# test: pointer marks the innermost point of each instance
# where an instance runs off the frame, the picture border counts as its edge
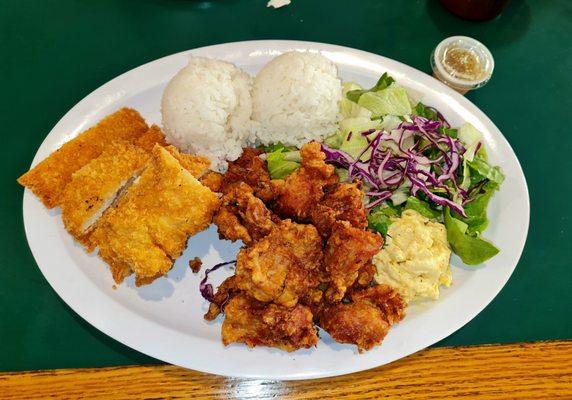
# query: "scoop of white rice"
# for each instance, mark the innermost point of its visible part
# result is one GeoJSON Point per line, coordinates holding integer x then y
{"type": "Point", "coordinates": [295, 99]}
{"type": "Point", "coordinates": [206, 110]}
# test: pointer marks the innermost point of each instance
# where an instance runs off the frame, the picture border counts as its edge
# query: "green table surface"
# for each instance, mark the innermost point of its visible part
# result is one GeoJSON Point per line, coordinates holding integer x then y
{"type": "Point", "coordinates": [53, 53]}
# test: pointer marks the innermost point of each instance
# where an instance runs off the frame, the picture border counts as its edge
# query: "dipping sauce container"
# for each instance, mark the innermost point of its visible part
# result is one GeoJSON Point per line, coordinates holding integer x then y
{"type": "Point", "coordinates": [462, 63]}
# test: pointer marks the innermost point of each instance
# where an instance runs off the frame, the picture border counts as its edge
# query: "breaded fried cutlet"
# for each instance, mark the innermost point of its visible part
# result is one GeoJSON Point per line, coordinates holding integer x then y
{"type": "Point", "coordinates": [196, 165]}
{"type": "Point", "coordinates": [148, 227]}
{"type": "Point", "coordinates": [49, 178]}
{"type": "Point", "coordinates": [94, 187]}
{"type": "Point", "coordinates": [150, 138]}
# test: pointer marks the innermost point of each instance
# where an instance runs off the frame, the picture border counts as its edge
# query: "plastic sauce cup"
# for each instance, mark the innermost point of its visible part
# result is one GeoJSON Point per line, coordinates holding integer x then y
{"type": "Point", "coordinates": [462, 63]}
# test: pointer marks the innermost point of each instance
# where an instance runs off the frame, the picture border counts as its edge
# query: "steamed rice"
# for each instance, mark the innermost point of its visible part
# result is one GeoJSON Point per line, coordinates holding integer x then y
{"type": "Point", "coordinates": [206, 110]}
{"type": "Point", "coordinates": [295, 99]}
{"type": "Point", "coordinates": [212, 108]}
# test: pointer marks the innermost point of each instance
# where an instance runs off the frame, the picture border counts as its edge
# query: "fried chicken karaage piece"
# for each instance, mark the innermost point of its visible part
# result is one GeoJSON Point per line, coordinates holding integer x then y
{"type": "Point", "coordinates": [261, 324]}
{"type": "Point", "coordinates": [212, 180]}
{"type": "Point", "coordinates": [243, 216]}
{"type": "Point", "coordinates": [302, 190]}
{"type": "Point", "coordinates": [359, 323]}
{"type": "Point", "coordinates": [384, 297]}
{"type": "Point", "coordinates": [49, 178]}
{"type": "Point", "coordinates": [366, 320]}
{"type": "Point", "coordinates": [226, 291]}
{"type": "Point", "coordinates": [252, 170]}
{"type": "Point", "coordinates": [280, 266]}
{"type": "Point", "coordinates": [342, 202]}
{"type": "Point", "coordinates": [348, 250]}
{"type": "Point", "coordinates": [365, 275]}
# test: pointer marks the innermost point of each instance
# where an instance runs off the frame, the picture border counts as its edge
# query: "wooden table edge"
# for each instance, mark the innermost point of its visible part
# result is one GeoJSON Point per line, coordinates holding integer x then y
{"type": "Point", "coordinates": [537, 370]}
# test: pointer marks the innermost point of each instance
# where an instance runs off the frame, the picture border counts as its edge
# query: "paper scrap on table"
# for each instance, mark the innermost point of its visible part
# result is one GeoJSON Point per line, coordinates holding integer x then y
{"type": "Point", "coordinates": [278, 3]}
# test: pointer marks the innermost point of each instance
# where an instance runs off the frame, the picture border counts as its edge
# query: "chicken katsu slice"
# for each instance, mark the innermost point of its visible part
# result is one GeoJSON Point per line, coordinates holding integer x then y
{"type": "Point", "coordinates": [280, 267]}
{"type": "Point", "coordinates": [48, 179]}
{"type": "Point", "coordinates": [196, 165]}
{"type": "Point", "coordinates": [297, 195]}
{"type": "Point", "coordinates": [342, 202]}
{"type": "Point", "coordinates": [243, 216]}
{"type": "Point", "coordinates": [154, 135]}
{"type": "Point", "coordinates": [252, 170]}
{"type": "Point", "coordinates": [347, 251]}
{"type": "Point", "coordinates": [148, 227]}
{"type": "Point", "coordinates": [366, 320]}
{"type": "Point", "coordinates": [95, 186]}
{"type": "Point", "coordinates": [261, 324]}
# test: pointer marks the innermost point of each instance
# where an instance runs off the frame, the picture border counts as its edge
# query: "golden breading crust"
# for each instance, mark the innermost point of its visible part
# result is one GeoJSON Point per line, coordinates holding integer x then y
{"type": "Point", "coordinates": [94, 186]}
{"type": "Point", "coordinates": [149, 139]}
{"type": "Point", "coordinates": [148, 227]}
{"type": "Point", "coordinates": [196, 165]}
{"type": "Point", "coordinates": [266, 324]}
{"type": "Point", "coordinates": [48, 179]}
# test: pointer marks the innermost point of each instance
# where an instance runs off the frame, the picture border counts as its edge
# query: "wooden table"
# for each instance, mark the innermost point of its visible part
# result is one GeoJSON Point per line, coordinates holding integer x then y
{"type": "Point", "coordinates": [540, 370]}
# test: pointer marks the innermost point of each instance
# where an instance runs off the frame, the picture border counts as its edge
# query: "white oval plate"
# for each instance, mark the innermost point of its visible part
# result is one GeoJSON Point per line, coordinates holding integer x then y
{"type": "Point", "coordinates": [164, 320]}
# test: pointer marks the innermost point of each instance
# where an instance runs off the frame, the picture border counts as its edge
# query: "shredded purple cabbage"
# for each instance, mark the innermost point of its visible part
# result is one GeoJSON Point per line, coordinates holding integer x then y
{"type": "Point", "coordinates": [206, 289]}
{"type": "Point", "coordinates": [387, 169]}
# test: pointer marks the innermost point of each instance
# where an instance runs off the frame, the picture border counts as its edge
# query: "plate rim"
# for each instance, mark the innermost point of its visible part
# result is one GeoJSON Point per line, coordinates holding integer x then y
{"type": "Point", "coordinates": [267, 44]}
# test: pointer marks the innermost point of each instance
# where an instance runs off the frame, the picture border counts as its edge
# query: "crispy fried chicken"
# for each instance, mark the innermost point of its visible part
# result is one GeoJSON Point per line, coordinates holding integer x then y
{"type": "Point", "coordinates": [226, 291]}
{"type": "Point", "coordinates": [348, 250]}
{"type": "Point", "coordinates": [279, 267]}
{"type": "Point", "coordinates": [342, 202]}
{"type": "Point", "coordinates": [302, 190]}
{"type": "Point", "coordinates": [262, 324]}
{"type": "Point", "coordinates": [366, 320]}
{"type": "Point", "coordinates": [250, 169]}
{"type": "Point", "coordinates": [242, 216]}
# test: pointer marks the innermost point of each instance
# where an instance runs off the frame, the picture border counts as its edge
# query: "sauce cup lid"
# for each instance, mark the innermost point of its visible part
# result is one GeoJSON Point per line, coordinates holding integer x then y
{"type": "Point", "coordinates": [462, 62]}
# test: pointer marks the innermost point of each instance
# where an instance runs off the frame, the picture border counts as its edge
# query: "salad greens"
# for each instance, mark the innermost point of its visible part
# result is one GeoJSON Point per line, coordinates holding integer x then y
{"type": "Point", "coordinates": [472, 249]}
{"type": "Point", "coordinates": [379, 218]}
{"type": "Point", "coordinates": [382, 83]}
{"type": "Point", "coordinates": [282, 160]}
{"type": "Point", "coordinates": [409, 157]}
{"type": "Point", "coordinates": [415, 160]}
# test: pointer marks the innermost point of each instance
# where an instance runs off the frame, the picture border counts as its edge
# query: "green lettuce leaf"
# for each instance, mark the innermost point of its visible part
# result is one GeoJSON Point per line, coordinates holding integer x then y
{"type": "Point", "coordinates": [383, 82]}
{"type": "Point", "coordinates": [422, 111]}
{"type": "Point", "coordinates": [471, 138]}
{"type": "Point", "coordinates": [350, 108]}
{"type": "Point", "coordinates": [357, 142]}
{"type": "Point", "coordinates": [483, 168]}
{"type": "Point", "coordinates": [379, 219]}
{"type": "Point", "coordinates": [335, 141]}
{"type": "Point", "coordinates": [477, 220]}
{"type": "Point", "coordinates": [355, 145]}
{"type": "Point", "coordinates": [282, 161]}
{"type": "Point", "coordinates": [422, 207]}
{"type": "Point", "coordinates": [278, 146]}
{"type": "Point", "coordinates": [473, 250]}
{"type": "Point", "coordinates": [390, 101]}
{"type": "Point", "coordinates": [454, 133]}
{"type": "Point", "coordinates": [342, 174]}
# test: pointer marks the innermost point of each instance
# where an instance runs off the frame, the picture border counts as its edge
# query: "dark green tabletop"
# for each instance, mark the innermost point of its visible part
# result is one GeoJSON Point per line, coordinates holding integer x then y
{"type": "Point", "coordinates": [53, 53]}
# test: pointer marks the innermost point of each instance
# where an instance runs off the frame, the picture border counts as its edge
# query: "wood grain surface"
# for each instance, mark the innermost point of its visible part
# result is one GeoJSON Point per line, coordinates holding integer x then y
{"type": "Point", "coordinates": [541, 370]}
